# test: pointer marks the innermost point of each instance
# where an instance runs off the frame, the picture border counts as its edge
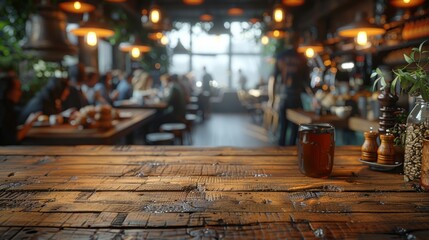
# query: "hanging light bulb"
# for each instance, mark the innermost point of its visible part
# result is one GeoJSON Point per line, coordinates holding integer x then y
{"type": "Point", "coordinates": [278, 13]}
{"type": "Point", "coordinates": [309, 53]}
{"type": "Point", "coordinates": [155, 15]}
{"type": "Point", "coordinates": [164, 40]}
{"type": "Point", "coordinates": [76, 6]}
{"type": "Point", "coordinates": [265, 40]}
{"type": "Point", "coordinates": [91, 39]}
{"type": "Point", "coordinates": [406, 3]}
{"type": "Point", "coordinates": [135, 52]}
{"type": "Point", "coordinates": [362, 38]}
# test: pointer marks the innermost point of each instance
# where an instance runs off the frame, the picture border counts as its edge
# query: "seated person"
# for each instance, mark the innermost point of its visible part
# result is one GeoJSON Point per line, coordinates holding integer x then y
{"type": "Point", "coordinates": [76, 98]}
{"type": "Point", "coordinates": [104, 88]}
{"type": "Point", "coordinates": [48, 100]}
{"type": "Point", "coordinates": [124, 88]}
{"type": "Point", "coordinates": [10, 95]}
{"type": "Point", "coordinates": [175, 99]}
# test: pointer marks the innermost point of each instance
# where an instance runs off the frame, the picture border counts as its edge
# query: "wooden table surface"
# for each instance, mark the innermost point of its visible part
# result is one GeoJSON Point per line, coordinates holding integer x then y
{"type": "Point", "coordinates": [71, 135]}
{"type": "Point", "coordinates": [134, 104]}
{"type": "Point", "coordinates": [128, 192]}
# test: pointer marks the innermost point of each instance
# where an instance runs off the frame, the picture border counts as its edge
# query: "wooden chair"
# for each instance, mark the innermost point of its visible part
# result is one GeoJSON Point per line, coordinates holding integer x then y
{"type": "Point", "coordinates": [271, 116]}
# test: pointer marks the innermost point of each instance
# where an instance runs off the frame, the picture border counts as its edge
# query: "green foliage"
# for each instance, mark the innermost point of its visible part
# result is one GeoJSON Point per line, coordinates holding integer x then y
{"type": "Point", "coordinates": [413, 77]}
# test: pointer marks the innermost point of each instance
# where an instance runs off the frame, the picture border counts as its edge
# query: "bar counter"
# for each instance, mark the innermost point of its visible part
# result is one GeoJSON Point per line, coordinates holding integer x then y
{"type": "Point", "coordinates": [176, 192]}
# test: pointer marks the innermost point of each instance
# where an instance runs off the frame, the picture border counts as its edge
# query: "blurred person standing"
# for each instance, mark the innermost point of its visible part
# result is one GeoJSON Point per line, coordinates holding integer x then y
{"type": "Point", "coordinates": [76, 98]}
{"type": "Point", "coordinates": [242, 80]}
{"type": "Point", "coordinates": [292, 78]}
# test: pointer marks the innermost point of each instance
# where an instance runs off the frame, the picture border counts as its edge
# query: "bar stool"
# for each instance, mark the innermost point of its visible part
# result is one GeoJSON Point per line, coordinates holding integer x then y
{"type": "Point", "coordinates": [160, 138]}
{"type": "Point", "coordinates": [177, 129]}
{"type": "Point", "coordinates": [190, 120]}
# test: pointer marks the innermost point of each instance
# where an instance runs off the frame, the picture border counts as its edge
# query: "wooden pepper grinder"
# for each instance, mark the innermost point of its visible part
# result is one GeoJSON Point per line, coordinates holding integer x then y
{"type": "Point", "coordinates": [386, 151]}
{"type": "Point", "coordinates": [369, 147]}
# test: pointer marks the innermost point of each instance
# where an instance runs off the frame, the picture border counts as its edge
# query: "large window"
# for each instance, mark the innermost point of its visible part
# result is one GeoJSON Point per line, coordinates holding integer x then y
{"type": "Point", "coordinates": [223, 55]}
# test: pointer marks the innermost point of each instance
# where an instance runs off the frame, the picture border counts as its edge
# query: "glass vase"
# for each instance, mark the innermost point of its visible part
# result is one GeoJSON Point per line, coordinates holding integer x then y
{"type": "Point", "coordinates": [417, 130]}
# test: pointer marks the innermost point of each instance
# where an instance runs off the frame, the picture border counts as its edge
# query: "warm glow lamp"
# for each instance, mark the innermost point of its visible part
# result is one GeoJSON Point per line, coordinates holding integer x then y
{"type": "Point", "coordinates": [360, 26]}
{"type": "Point", "coordinates": [92, 30]}
{"type": "Point", "coordinates": [235, 11]}
{"type": "Point", "coordinates": [206, 17]}
{"type": "Point", "coordinates": [406, 3]}
{"type": "Point", "coordinates": [265, 40]}
{"type": "Point", "coordinates": [293, 3]}
{"type": "Point", "coordinates": [193, 2]}
{"type": "Point", "coordinates": [278, 13]}
{"type": "Point", "coordinates": [134, 47]}
{"type": "Point", "coordinates": [277, 34]}
{"type": "Point", "coordinates": [155, 15]}
{"type": "Point", "coordinates": [76, 6]}
{"type": "Point", "coordinates": [164, 40]}
{"type": "Point", "coordinates": [310, 50]}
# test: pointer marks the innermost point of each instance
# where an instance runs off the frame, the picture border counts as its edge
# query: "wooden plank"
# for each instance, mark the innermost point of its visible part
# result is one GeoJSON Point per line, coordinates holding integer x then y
{"type": "Point", "coordinates": [135, 150]}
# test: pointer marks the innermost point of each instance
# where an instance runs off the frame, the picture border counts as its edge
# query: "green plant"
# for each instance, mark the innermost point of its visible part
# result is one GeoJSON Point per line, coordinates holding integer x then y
{"type": "Point", "coordinates": [413, 77]}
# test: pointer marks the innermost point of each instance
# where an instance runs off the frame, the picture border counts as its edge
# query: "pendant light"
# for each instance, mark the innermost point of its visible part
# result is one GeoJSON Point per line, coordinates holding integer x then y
{"type": "Point", "coordinates": [46, 36]}
{"type": "Point", "coordinates": [310, 50]}
{"type": "Point", "coordinates": [276, 33]}
{"type": "Point", "coordinates": [278, 13]}
{"type": "Point", "coordinates": [235, 11]}
{"type": "Point", "coordinates": [76, 6]}
{"type": "Point", "coordinates": [135, 47]}
{"type": "Point", "coordinates": [293, 3]}
{"type": "Point", "coordinates": [155, 15]}
{"type": "Point", "coordinates": [193, 2]}
{"type": "Point", "coordinates": [93, 28]}
{"type": "Point", "coordinates": [406, 3]}
{"type": "Point", "coordinates": [206, 17]}
{"type": "Point", "coordinates": [360, 29]}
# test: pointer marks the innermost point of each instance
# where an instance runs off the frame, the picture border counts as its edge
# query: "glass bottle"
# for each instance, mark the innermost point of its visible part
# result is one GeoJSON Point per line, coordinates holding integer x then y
{"type": "Point", "coordinates": [417, 130]}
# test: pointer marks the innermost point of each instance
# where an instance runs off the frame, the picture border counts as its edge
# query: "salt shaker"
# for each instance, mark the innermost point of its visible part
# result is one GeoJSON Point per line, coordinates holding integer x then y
{"type": "Point", "coordinates": [369, 147]}
{"type": "Point", "coordinates": [386, 151]}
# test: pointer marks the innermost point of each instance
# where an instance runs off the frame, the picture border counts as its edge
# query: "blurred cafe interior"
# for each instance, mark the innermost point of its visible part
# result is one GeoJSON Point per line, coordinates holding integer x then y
{"type": "Point", "coordinates": [240, 73]}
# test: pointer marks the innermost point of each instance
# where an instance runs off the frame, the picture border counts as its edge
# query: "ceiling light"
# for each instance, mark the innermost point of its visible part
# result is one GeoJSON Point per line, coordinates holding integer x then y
{"type": "Point", "coordinates": [265, 40]}
{"type": "Point", "coordinates": [135, 47]}
{"type": "Point", "coordinates": [310, 50]}
{"type": "Point", "coordinates": [76, 6]}
{"type": "Point", "coordinates": [406, 3]}
{"type": "Point", "coordinates": [360, 24]}
{"type": "Point", "coordinates": [235, 11]}
{"type": "Point", "coordinates": [278, 13]}
{"type": "Point", "coordinates": [93, 28]}
{"type": "Point", "coordinates": [193, 2]}
{"type": "Point", "coordinates": [277, 34]}
{"type": "Point", "coordinates": [206, 17]}
{"type": "Point", "coordinates": [164, 40]}
{"type": "Point", "coordinates": [155, 15]}
{"type": "Point", "coordinates": [293, 3]}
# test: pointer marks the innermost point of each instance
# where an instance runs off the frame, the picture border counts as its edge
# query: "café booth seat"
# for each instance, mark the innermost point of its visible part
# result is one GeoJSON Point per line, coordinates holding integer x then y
{"type": "Point", "coordinates": [160, 138]}
{"type": "Point", "coordinates": [178, 129]}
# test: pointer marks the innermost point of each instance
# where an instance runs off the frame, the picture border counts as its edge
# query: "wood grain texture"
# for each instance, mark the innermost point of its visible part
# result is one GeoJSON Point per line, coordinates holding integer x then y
{"type": "Point", "coordinates": [97, 192]}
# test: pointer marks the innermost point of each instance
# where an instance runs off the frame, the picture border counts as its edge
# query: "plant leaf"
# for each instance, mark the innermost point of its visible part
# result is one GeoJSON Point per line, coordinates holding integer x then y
{"type": "Point", "coordinates": [408, 59]}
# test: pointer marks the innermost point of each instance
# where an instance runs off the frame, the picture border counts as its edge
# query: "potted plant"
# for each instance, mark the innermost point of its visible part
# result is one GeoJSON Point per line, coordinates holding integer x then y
{"type": "Point", "coordinates": [413, 79]}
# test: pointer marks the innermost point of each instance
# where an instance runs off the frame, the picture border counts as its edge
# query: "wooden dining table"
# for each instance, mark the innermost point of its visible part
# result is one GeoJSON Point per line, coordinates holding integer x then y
{"type": "Point", "coordinates": [181, 192]}
{"type": "Point", "coordinates": [66, 134]}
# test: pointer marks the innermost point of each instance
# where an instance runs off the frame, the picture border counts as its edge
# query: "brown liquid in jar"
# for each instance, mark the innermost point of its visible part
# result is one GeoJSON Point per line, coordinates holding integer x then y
{"type": "Point", "coordinates": [316, 153]}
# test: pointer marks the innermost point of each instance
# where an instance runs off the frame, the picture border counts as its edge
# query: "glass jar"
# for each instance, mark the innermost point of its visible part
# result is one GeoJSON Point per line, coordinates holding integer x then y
{"type": "Point", "coordinates": [417, 130]}
{"type": "Point", "coordinates": [316, 143]}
